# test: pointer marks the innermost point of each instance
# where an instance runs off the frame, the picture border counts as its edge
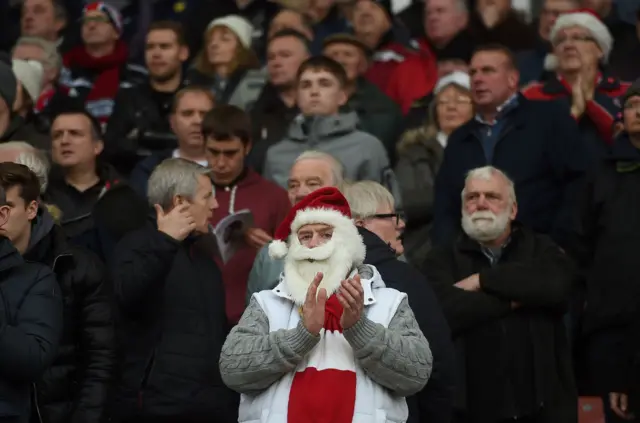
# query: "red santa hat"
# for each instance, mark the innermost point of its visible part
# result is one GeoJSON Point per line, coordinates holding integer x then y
{"type": "Point", "coordinates": [587, 19]}
{"type": "Point", "coordinates": [325, 205]}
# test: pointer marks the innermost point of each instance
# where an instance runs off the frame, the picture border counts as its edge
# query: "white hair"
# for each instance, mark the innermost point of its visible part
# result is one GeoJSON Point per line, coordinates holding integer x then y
{"type": "Point", "coordinates": [174, 177]}
{"type": "Point", "coordinates": [52, 58]}
{"type": "Point", "coordinates": [366, 197]}
{"type": "Point", "coordinates": [486, 173]}
{"type": "Point", "coordinates": [337, 169]}
{"type": "Point", "coordinates": [29, 156]}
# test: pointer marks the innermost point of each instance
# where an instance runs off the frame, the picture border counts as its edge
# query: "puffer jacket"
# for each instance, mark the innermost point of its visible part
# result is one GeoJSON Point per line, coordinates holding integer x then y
{"type": "Point", "coordinates": [30, 329]}
{"type": "Point", "coordinates": [74, 389]}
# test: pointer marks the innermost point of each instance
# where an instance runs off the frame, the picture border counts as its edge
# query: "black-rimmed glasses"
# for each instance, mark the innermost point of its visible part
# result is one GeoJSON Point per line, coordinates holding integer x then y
{"type": "Point", "coordinates": [398, 216]}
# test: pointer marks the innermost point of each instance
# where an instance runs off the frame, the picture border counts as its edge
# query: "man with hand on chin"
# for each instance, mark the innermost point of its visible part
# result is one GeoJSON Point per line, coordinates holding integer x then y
{"type": "Point", "coordinates": [330, 333]}
{"type": "Point", "coordinates": [504, 290]}
{"type": "Point", "coordinates": [171, 305]}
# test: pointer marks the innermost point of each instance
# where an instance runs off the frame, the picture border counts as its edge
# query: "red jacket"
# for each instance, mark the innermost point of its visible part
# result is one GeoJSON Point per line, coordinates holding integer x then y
{"type": "Point", "coordinates": [600, 111]}
{"type": "Point", "coordinates": [414, 78]}
{"type": "Point", "coordinates": [269, 204]}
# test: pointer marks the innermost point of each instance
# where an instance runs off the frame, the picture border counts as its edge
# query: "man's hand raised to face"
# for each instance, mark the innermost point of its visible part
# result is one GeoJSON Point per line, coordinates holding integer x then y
{"type": "Point", "coordinates": [351, 297]}
{"type": "Point", "coordinates": [178, 223]}
{"type": "Point", "coordinates": [314, 305]}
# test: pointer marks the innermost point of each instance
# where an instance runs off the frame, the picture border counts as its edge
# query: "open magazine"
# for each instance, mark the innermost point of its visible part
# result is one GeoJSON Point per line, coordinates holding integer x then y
{"type": "Point", "coordinates": [229, 233]}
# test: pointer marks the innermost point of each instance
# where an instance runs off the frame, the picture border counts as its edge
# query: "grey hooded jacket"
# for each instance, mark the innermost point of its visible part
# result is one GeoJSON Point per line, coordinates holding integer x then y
{"type": "Point", "coordinates": [362, 155]}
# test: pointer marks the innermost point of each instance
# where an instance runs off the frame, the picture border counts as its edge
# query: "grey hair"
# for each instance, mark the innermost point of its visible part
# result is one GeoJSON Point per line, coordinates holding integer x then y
{"type": "Point", "coordinates": [337, 169]}
{"type": "Point", "coordinates": [366, 197]}
{"type": "Point", "coordinates": [174, 177]}
{"type": "Point", "coordinates": [486, 173]}
{"type": "Point", "coordinates": [29, 156]}
{"type": "Point", "coordinates": [37, 162]}
{"type": "Point", "coordinates": [52, 58]}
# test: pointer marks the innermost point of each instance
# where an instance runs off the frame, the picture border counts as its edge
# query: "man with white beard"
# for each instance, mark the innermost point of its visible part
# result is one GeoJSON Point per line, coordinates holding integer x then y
{"type": "Point", "coordinates": [504, 289]}
{"type": "Point", "coordinates": [330, 343]}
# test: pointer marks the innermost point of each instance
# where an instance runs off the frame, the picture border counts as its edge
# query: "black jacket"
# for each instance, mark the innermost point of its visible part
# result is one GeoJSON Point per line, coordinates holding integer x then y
{"type": "Point", "coordinates": [74, 389]}
{"type": "Point", "coordinates": [28, 130]}
{"type": "Point", "coordinates": [30, 329]}
{"type": "Point", "coordinates": [98, 217]}
{"type": "Point", "coordinates": [138, 126]}
{"type": "Point", "coordinates": [434, 403]}
{"type": "Point", "coordinates": [493, 338]}
{"type": "Point", "coordinates": [172, 325]}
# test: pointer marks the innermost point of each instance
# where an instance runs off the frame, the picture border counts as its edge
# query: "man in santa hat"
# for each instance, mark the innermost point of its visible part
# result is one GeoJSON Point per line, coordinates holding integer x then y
{"type": "Point", "coordinates": [330, 343]}
{"type": "Point", "coordinates": [581, 46]}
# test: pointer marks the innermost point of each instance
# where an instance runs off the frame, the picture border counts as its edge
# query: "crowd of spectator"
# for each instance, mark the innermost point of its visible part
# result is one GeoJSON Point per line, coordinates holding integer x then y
{"type": "Point", "coordinates": [434, 199]}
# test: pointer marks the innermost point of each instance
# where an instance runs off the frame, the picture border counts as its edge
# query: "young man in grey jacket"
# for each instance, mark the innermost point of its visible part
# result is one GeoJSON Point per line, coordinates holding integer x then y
{"type": "Point", "coordinates": [320, 126]}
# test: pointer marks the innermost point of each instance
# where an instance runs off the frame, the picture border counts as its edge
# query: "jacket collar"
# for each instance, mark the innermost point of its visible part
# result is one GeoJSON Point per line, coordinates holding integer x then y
{"type": "Point", "coordinates": [558, 85]}
{"type": "Point", "coordinates": [323, 126]}
{"type": "Point", "coordinates": [9, 256]}
{"type": "Point", "coordinates": [517, 118]}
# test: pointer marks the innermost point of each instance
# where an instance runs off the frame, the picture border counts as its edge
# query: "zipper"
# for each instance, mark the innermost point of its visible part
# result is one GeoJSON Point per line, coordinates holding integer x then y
{"type": "Point", "coordinates": [145, 378]}
{"type": "Point", "coordinates": [35, 402]}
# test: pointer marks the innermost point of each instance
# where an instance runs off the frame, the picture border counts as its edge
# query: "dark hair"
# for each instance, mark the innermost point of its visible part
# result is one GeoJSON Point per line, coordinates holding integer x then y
{"type": "Point", "coordinates": [225, 122]}
{"type": "Point", "coordinates": [59, 10]}
{"type": "Point", "coordinates": [306, 20]}
{"type": "Point", "coordinates": [96, 128]}
{"type": "Point", "coordinates": [323, 63]}
{"type": "Point", "coordinates": [497, 48]}
{"type": "Point", "coordinates": [284, 33]}
{"type": "Point", "coordinates": [175, 27]}
{"type": "Point", "coordinates": [17, 175]}
{"type": "Point", "coordinates": [191, 89]}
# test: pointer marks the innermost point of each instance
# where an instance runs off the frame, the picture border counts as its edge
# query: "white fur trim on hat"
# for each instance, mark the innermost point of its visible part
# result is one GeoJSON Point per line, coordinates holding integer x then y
{"type": "Point", "coordinates": [341, 224]}
{"type": "Point", "coordinates": [29, 73]}
{"type": "Point", "coordinates": [236, 24]}
{"type": "Point", "coordinates": [459, 78]}
{"type": "Point", "coordinates": [586, 20]}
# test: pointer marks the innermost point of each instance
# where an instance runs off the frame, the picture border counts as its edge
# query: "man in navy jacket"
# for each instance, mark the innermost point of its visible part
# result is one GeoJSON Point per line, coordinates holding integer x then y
{"type": "Point", "coordinates": [536, 143]}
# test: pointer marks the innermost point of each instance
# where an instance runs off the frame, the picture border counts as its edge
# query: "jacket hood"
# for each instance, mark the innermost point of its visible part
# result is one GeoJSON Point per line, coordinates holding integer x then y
{"type": "Point", "coordinates": [41, 226]}
{"type": "Point", "coordinates": [323, 127]}
{"type": "Point", "coordinates": [15, 123]}
{"type": "Point", "coordinates": [377, 250]}
{"type": "Point", "coordinates": [9, 256]}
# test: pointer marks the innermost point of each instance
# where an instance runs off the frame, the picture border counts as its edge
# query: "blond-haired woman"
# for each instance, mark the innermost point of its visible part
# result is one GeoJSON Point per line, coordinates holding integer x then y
{"type": "Point", "coordinates": [227, 64]}
{"type": "Point", "coordinates": [420, 154]}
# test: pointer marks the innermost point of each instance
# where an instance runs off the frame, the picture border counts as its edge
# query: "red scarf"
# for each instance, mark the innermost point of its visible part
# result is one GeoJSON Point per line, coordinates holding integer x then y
{"type": "Point", "coordinates": [325, 391]}
{"type": "Point", "coordinates": [106, 68]}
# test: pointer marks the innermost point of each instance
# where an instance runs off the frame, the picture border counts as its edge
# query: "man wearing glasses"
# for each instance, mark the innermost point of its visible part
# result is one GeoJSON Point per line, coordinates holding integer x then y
{"type": "Point", "coordinates": [95, 70]}
{"type": "Point", "coordinates": [581, 46]}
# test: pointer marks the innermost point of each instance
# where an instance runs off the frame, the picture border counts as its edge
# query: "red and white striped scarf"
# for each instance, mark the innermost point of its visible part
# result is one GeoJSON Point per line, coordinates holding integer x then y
{"type": "Point", "coordinates": [325, 390]}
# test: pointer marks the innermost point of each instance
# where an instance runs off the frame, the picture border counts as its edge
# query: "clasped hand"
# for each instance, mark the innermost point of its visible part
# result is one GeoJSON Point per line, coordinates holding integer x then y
{"type": "Point", "coordinates": [350, 295]}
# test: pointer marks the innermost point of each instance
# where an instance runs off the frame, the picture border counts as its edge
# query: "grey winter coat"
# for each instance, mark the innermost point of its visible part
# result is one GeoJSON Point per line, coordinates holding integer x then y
{"type": "Point", "coordinates": [362, 155]}
{"type": "Point", "coordinates": [419, 159]}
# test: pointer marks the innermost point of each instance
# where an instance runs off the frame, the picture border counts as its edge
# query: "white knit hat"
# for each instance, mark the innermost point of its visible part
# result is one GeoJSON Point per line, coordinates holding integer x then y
{"type": "Point", "coordinates": [236, 24]}
{"type": "Point", "coordinates": [587, 19]}
{"type": "Point", "coordinates": [458, 78]}
{"type": "Point", "coordinates": [29, 73]}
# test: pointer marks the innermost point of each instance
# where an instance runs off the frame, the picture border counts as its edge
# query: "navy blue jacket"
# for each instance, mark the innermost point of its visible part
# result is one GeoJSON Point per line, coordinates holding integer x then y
{"type": "Point", "coordinates": [539, 148]}
{"type": "Point", "coordinates": [30, 329]}
{"type": "Point", "coordinates": [139, 177]}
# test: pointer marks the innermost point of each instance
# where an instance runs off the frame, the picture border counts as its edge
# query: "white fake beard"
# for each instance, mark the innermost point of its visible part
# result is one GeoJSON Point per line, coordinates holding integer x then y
{"type": "Point", "coordinates": [331, 258]}
{"type": "Point", "coordinates": [485, 226]}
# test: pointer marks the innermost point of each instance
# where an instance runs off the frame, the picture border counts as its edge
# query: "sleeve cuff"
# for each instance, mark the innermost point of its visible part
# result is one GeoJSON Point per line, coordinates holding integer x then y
{"type": "Point", "coordinates": [361, 333]}
{"type": "Point", "coordinates": [301, 340]}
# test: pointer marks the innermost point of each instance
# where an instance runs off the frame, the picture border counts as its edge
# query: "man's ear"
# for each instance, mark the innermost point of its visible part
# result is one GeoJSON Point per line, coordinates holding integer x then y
{"type": "Point", "coordinates": [32, 210]}
{"type": "Point", "coordinates": [183, 54]}
{"type": "Point", "coordinates": [98, 147]}
{"type": "Point", "coordinates": [359, 222]}
{"type": "Point", "coordinates": [247, 148]}
{"type": "Point", "coordinates": [5, 211]}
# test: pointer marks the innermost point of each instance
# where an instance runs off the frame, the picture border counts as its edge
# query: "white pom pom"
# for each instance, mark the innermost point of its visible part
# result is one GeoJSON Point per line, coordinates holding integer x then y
{"type": "Point", "coordinates": [550, 62]}
{"type": "Point", "coordinates": [278, 249]}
